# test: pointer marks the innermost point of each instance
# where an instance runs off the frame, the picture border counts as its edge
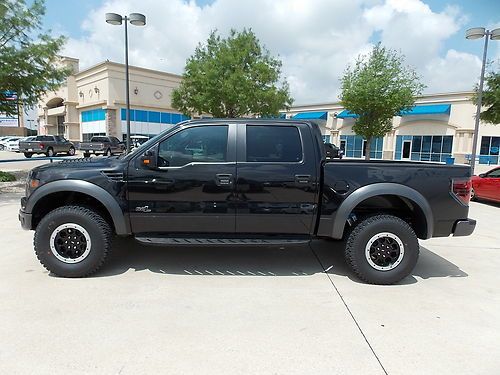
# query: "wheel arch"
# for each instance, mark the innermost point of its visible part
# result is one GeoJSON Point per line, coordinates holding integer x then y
{"type": "Point", "coordinates": [363, 194]}
{"type": "Point", "coordinates": [82, 189]}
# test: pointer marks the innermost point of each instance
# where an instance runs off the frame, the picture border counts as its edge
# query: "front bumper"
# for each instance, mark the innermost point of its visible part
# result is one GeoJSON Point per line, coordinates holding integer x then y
{"type": "Point", "coordinates": [464, 227]}
{"type": "Point", "coordinates": [25, 219]}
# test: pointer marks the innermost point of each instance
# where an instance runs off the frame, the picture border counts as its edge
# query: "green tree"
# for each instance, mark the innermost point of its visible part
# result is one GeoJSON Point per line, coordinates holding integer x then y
{"type": "Point", "coordinates": [490, 99]}
{"type": "Point", "coordinates": [378, 87]}
{"type": "Point", "coordinates": [232, 77]}
{"type": "Point", "coordinates": [28, 57]}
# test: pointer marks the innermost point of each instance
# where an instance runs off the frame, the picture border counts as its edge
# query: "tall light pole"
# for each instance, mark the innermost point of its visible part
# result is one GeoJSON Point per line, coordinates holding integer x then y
{"type": "Point", "coordinates": [136, 19]}
{"type": "Point", "coordinates": [478, 33]}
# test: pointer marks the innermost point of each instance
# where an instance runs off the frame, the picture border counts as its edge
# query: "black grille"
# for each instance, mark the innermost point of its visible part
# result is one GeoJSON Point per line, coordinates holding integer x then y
{"type": "Point", "coordinates": [113, 175]}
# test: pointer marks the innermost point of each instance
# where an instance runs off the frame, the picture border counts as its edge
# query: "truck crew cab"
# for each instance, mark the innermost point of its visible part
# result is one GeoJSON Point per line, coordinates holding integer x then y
{"type": "Point", "coordinates": [239, 182]}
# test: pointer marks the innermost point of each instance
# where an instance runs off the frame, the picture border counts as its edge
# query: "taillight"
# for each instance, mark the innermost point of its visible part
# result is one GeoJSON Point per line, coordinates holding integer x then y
{"type": "Point", "coordinates": [42, 145]}
{"type": "Point", "coordinates": [462, 189]}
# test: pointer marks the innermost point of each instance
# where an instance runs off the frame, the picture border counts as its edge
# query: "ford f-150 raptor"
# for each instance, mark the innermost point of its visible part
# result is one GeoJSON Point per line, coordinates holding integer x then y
{"type": "Point", "coordinates": [243, 182]}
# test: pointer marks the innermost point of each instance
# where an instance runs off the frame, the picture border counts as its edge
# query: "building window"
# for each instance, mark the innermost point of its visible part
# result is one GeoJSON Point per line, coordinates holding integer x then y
{"type": "Point", "coordinates": [423, 147]}
{"type": "Point", "coordinates": [354, 146]}
{"type": "Point", "coordinates": [93, 115]}
{"type": "Point", "coordinates": [153, 116]}
{"type": "Point", "coordinates": [489, 151]}
{"type": "Point", "coordinates": [326, 138]}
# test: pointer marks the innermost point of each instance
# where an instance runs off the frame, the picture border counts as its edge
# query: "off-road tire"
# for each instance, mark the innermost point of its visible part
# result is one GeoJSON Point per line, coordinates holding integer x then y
{"type": "Point", "coordinates": [360, 235]}
{"type": "Point", "coordinates": [98, 229]}
{"type": "Point", "coordinates": [28, 155]}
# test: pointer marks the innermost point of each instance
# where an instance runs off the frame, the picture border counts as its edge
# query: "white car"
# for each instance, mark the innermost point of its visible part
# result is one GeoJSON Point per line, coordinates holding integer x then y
{"type": "Point", "coordinates": [13, 143]}
{"type": "Point", "coordinates": [5, 140]}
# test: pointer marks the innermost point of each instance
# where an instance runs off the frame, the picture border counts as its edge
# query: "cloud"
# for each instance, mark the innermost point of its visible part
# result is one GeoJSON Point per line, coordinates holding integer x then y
{"type": "Point", "coordinates": [315, 39]}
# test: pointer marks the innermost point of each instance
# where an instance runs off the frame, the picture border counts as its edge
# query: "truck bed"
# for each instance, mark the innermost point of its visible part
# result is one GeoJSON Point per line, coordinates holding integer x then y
{"type": "Point", "coordinates": [430, 180]}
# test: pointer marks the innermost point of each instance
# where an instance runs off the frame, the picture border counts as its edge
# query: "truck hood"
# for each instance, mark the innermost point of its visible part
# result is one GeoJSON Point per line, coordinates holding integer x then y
{"type": "Point", "coordinates": [88, 169]}
{"type": "Point", "coordinates": [80, 163]}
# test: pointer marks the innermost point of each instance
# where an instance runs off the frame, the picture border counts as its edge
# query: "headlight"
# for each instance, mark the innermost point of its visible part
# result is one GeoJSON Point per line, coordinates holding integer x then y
{"type": "Point", "coordinates": [31, 183]}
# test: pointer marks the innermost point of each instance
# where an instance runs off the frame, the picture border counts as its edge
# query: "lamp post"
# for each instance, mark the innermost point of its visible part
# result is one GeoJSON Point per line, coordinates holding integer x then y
{"type": "Point", "coordinates": [136, 19]}
{"type": "Point", "coordinates": [478, 33]}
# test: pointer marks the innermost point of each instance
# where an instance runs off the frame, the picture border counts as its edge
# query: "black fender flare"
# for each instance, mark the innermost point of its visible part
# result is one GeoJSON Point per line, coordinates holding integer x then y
{"type": "Point", "coordinates": [373, 190]}
{"type": "Point", "coordinates": [84, 187]}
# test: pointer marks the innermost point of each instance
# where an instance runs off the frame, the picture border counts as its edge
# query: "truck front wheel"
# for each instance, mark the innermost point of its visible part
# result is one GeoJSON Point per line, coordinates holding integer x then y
{"type": "Point", "coordinates": [72, 241]}
{"type": "Point", "coordinates": [382, 249]}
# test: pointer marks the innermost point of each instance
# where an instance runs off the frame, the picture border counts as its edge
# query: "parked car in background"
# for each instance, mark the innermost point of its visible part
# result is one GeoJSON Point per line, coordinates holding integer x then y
{"type": "Point", "coordinates": [4, 141]}
{"type": "Point", "coordinates": [101, 145]}
{"type": "Point", "coordinates": [49, 145]}
{"type": "Point", "coordinates": [137, 140]}
{"type": "Point", "coordinates": [333, 151]}
{"type": "Point", "coordinates": [487, 186]}
{"type": "Point", "coordinates": [13, 144]}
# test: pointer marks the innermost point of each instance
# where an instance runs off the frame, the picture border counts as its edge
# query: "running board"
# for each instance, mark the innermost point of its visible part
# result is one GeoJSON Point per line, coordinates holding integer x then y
{"type": "Point", "coordinates": [165, 241]}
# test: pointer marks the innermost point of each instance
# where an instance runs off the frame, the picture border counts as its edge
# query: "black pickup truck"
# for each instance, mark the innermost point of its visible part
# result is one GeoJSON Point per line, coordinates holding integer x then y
{"type": "Point", "coordinates": [243, 182]}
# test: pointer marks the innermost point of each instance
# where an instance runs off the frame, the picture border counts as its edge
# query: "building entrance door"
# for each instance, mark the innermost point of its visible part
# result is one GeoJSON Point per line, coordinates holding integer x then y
{"type": "Point", "coordinates": [406, 150]}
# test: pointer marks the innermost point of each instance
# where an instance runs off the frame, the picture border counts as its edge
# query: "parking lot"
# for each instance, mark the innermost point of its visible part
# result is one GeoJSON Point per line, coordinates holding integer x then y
{"type": "Point", "coordinates": [251, 310]}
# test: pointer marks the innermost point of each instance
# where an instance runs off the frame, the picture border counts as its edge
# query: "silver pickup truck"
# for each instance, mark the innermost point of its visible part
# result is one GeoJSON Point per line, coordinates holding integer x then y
{"type": "Point", "coordinates": [50, 145]}
{"type": "Point", "coordinates": [101, 145]}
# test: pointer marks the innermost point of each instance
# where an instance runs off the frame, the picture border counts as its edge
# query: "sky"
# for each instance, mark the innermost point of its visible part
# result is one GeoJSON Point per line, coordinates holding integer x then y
{"type": "Point", "coordinates": [315, 39]}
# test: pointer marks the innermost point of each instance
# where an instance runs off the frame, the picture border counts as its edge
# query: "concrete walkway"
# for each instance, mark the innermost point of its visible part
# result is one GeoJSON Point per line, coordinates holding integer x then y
{"type": "Point", "coordinates": [251, 310]}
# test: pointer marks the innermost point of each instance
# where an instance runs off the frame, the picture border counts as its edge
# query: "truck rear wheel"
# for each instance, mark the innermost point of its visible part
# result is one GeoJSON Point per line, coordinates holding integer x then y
{"type": "Point", "coordinates": [28, 155]}
{"type": "Point", "coordinates": [108, 152]}
{"type": "Point", "coordinates": [86, 154]}
{"type": "Point", "coordinates": [382, 249]}
{"type": "Point", "coordinates": [72, 241]}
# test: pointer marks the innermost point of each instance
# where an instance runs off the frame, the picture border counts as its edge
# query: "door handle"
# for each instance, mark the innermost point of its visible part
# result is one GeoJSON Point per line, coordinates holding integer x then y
{"type": "Point", "coordinates": [302, 178]}
{"type": "Point", "coordinates": [224, 179]}
{"type": "Point", "coordinates": [156, 181]}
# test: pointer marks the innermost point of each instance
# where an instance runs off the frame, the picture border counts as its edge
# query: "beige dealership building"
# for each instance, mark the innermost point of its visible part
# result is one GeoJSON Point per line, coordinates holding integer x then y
{"type": "Point", "coordinates": [440, 126]}
{"type": "Point", "coordinates": [92, 102]}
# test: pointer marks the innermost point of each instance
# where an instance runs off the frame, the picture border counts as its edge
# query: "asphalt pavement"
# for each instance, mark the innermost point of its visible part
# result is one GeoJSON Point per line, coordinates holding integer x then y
{"type": "Point", "coordinates": [272, 310]}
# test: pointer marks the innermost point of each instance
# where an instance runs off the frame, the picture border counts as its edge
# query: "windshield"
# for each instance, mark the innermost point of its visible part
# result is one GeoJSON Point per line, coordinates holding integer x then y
{"type": "Point", "coordinates": [142, 148]}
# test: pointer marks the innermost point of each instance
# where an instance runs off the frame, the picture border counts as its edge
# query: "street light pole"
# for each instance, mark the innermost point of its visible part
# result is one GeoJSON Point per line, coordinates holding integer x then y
{"type": "Point", "coordinates": [135, 19]}
{"type": "Point", "coordinates": [127, 88]}
{"type": "Point", "coordinates": [477, 33]}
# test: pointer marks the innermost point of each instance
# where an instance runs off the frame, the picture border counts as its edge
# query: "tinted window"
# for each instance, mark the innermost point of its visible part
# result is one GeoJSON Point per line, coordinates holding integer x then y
{"type": "Point", "coordinates": [495, 173]}
{"type": "Point", "coordinates": [273, 143]}
{"type": "Point", "coordinates": [99, 139]}
{"type": "Point", "coordinates": [45, 138]}
{"type": "Point", "coordinates": [199, 144]}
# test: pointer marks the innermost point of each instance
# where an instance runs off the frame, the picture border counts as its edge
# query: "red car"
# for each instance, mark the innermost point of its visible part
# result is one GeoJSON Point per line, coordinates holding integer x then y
{"type": "Point", "coordinates": [487, 185]}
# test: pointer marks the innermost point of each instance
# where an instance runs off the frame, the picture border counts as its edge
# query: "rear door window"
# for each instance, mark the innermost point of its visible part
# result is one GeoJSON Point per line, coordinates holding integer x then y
{"type": "Point", "coordinates": [273, 144]}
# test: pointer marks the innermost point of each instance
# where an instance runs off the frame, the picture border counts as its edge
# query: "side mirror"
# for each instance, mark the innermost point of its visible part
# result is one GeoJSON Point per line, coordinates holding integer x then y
{"type": "Point", "coordinates": [482, 175]}
{"type": "Point", "coordinates": [149, 159]}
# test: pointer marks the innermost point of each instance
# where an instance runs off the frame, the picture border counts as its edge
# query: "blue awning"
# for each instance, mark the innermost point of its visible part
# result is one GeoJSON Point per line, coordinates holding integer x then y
{"type": "Point", "coordinates": [347, 114]}
{"type": "Point", "coordinates": [433, 109]}
{"type": "Point", "coordinates": [311, 116]}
